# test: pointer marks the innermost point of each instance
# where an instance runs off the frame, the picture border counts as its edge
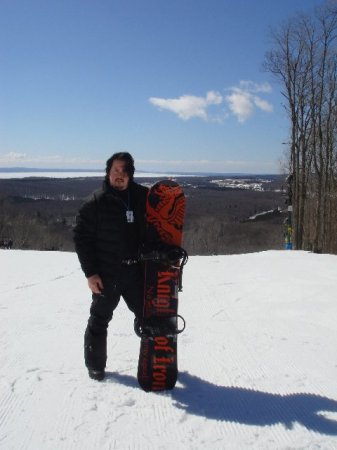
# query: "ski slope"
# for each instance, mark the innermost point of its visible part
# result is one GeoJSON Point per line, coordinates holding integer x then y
{"type": "Point", "coordinates": [258, 360]}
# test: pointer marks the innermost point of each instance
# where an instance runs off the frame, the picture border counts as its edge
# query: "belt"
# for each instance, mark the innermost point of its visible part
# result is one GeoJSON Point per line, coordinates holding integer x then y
{"type": "Point", "coordinates": [129, 262]}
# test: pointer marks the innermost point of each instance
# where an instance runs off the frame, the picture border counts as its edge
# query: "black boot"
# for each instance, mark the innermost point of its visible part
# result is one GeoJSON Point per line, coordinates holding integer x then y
{"type": "Point", "coordinates": [97, 375]}
{"type": "Point", "coordinates": [95, 354]}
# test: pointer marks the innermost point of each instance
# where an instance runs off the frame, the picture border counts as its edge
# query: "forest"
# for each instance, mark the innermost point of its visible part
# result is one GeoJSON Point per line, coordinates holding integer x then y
{"type": "Point", "coordinates": [223, 215]}
{"type": "Point", "coordinates": [303, 61]}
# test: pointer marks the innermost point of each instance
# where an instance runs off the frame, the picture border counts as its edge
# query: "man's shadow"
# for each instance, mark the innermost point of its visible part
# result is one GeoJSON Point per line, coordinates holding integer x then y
{"type": "Point", "coordinates": [245, 406]}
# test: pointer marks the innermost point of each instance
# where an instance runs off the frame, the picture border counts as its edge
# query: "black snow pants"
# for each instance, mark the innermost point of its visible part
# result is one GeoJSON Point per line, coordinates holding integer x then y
{"type": "Point", "coordinates": [128, 282]}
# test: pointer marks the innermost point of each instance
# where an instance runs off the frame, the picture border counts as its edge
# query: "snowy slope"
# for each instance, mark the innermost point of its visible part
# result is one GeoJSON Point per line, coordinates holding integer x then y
{"type": "Point", "coordinates": [258, 362]}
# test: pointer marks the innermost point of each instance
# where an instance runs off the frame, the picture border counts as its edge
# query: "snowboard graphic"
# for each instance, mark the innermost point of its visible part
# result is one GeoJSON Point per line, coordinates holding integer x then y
{"type": "Point", "coordinates": [163, 258]}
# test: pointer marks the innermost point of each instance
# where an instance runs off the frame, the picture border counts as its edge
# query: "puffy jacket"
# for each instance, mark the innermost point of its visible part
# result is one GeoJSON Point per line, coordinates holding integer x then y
{"type": "Point", "coordinates": [102, 235]}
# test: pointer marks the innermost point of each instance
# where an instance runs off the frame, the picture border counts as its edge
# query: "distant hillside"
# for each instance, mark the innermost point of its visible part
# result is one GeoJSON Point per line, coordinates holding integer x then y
{"type": "Point", "coordinates": [39, 213]}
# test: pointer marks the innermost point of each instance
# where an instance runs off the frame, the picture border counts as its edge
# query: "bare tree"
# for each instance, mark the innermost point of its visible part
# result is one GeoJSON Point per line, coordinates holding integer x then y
{"type": "Point", "coordinates": [303, 59]}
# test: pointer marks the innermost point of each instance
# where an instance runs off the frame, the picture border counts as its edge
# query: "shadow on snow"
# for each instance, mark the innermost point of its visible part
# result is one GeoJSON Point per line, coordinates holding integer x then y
{"type": "Point", "coordinates": [246, 406]}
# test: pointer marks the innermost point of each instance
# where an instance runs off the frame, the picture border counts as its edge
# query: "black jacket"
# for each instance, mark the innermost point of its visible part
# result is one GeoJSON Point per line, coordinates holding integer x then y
{"type": "Point", "coordinates": [102, 235]}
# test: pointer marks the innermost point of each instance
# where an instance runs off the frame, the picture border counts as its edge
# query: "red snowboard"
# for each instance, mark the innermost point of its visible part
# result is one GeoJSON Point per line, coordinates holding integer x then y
{"type": "Point", "coordinates": [163, 256]}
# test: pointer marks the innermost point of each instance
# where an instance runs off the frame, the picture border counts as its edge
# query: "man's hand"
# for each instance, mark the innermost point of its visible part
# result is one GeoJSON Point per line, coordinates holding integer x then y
{"type": "Point", "coordinates": [95, 284]}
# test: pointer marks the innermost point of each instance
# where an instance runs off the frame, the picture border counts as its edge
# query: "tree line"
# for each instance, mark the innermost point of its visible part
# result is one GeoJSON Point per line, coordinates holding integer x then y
{"type": "Point", "coordinates": [303, 59]}
{"type": "Point", "coordinates": [36, 225]}
{"type": "Point", "coordinates": [215, 220]}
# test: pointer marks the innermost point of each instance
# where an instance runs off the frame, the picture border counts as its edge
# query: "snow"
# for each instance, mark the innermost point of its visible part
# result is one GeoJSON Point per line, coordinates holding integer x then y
{"type": "Point", "coordinates": [241, 183]}
{"type": "Point", "coordinates": [258, 364]}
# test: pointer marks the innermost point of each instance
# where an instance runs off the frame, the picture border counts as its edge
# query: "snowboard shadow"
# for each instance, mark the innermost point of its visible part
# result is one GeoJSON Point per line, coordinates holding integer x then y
{"type": "Point", "coordinates": [251, 407]}
{"type": "Point", "coordinates": [246, 406]}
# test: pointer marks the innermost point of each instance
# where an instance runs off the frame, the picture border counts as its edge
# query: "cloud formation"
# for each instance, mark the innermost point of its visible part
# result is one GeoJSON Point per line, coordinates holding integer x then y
{"type": "Point", "coordinates": [15, 156]}
{"type": "Point", "coordinates": [242, 101]}
{"type": "Point", "coordinates": [188, 106]}
{"type": "Point", "coordinates": [59, 161]}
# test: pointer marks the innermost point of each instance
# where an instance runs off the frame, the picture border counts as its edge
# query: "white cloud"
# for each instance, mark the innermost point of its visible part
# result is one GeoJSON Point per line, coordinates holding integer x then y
{"type": "Point", "coordinates": [12, 157]}
{"type": "Point", "coordinates": [263, 104]}
{"type": "Point", "coordinates": [189, 106]}
{"type": "Point", "coordinates": [23, 159]}
{"type": "Point", "coordinates": [242, 102]}
{"type": "Point", "coordinates": [250, 86]}
{"type": "Point", "coordinates": [213, 98]}
{"type": "Point", "coordinates": [243, 99]}
{"type": "Point", "coordinates": [15, 156]}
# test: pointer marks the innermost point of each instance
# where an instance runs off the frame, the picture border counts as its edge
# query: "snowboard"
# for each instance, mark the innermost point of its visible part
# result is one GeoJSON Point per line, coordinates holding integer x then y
{"type": "Point", "coordinates": [163, 260]}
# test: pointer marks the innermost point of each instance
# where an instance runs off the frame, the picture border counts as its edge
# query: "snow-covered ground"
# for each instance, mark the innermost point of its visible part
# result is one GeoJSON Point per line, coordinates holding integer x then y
{"type": "Point", "coordinates": [258, 360]}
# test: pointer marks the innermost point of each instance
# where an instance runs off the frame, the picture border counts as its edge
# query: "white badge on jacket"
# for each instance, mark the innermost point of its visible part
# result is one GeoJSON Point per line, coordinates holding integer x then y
{"type": "Point", "coordinates": [129, 216]}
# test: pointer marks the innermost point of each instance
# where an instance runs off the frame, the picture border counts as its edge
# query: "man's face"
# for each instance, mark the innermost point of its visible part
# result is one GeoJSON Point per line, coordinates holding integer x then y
{"type": "Point", "coordinates": [118, 178]}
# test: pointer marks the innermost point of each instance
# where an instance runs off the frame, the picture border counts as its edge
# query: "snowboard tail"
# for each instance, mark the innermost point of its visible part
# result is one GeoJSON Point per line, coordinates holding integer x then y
{"type": "Point", "coordinates": [157, 368]}
{"type": "Point", "coordinates": [164, 259]}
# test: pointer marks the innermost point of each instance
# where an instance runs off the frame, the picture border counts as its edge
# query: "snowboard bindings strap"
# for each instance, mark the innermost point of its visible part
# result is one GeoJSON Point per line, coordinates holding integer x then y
{"type": "Point", "coordinates": [159, 326]}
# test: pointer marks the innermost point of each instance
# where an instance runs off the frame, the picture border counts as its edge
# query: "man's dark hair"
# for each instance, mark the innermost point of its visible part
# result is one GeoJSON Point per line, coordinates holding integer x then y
{"type": "Point", "coordinates": [128, 161]}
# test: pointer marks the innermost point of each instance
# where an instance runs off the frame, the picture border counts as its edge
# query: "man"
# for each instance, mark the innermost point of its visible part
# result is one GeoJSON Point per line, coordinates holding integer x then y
{"type": "Point", "coordinates": [109, 229]}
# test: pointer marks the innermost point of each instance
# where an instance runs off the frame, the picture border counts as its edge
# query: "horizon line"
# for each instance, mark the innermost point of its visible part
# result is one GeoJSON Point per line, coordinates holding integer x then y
{"type": "Point", "coordinates": [62, 170]}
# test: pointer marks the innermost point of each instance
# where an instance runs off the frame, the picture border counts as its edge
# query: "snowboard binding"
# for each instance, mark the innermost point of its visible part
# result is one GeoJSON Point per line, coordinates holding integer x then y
{"type": "Point", "coordinates": [159, 326]}
{"type": "Point", "coordinates": [170, 255]}
{"type": "Point", "coordinates": [159, 252]}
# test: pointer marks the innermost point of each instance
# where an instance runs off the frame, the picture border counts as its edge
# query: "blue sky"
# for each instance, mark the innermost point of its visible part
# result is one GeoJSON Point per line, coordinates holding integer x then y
{"type": "Point", "coordinates": [178, 83]}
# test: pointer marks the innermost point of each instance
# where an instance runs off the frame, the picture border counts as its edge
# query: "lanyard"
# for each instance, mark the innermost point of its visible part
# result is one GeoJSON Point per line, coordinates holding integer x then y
{"type": "Point", "coordinates": [130, 218]}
